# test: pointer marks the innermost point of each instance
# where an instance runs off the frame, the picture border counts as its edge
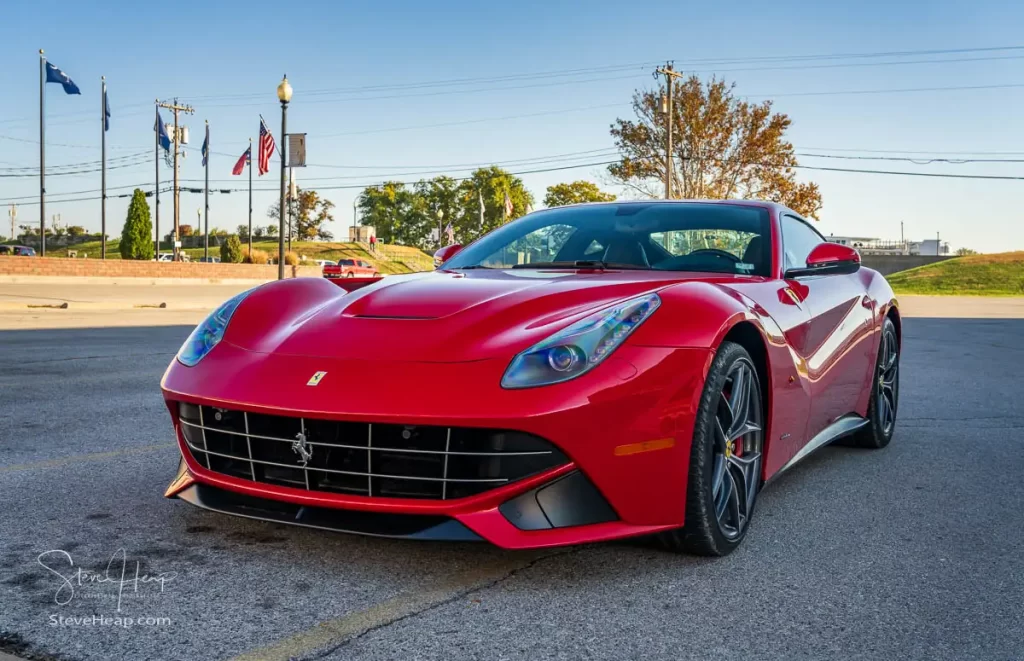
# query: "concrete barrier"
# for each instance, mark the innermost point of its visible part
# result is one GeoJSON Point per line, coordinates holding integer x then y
{"type": "Point", "coordinates": [888, 264]}
{"type": "Point", "coordinates": [13, 268]}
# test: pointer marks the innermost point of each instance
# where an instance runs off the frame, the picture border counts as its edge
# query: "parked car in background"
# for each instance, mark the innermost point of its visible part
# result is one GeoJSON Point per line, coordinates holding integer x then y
{"type": "Point", "coordinates": [165, 257]}
{"type": "Point", "coordinates": [18, 250]}
{"type": "Point", "coordinates": [350, 268]}
{"type": "Point", "coordinates": [324, 262]}
{"type": "Point", "coordinates": [210, 260]}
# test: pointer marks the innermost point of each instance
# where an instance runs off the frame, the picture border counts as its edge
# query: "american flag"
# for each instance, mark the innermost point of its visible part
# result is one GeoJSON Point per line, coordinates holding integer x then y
{"type": "Point", "coordinates": [508, 206]}
{"type": "Point", "coordinates": [267, 147]}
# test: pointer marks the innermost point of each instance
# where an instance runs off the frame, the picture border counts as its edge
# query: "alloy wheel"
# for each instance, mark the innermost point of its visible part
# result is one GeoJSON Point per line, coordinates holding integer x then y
{"type": "Point", "coordinates": [739, 442]}
{"type": "Point", "coordinates": [887, 386]}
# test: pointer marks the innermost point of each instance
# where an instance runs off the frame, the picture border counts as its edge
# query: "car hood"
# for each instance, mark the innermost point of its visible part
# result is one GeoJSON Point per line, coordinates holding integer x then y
{"type": "Point", "coordinates": [445, 316]}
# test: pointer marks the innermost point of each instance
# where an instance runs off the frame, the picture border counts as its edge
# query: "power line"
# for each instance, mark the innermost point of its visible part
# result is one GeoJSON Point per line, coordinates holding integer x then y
{"type": "Point", "coordinates": [550, 169]}
{"type": "Point", "coordinates": [889, 91]}
{"type": "Point", "coordinates": [916, 161]}
{"type": "Point", "coordinates": [71, 173]}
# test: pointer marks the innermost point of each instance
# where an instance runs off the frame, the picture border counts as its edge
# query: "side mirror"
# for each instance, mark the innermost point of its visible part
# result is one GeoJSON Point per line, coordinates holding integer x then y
{"type": "Point", "coordinates": [828, 259]}
{"type": "Point", "coordinates": [446, 253]}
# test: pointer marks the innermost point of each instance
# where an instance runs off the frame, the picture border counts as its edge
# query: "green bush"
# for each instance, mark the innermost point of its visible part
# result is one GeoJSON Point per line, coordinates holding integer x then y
{"type": "Point", "coordinates": [231, 250]}
{"type": "Point", "coordinates": [137, 233]}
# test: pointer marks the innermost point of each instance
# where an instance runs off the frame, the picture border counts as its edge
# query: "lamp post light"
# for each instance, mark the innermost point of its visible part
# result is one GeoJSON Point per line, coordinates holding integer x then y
{"type": "Point", "coordinates": [284, 94]}
{"type": "Point", "coordinates": [440, 228]}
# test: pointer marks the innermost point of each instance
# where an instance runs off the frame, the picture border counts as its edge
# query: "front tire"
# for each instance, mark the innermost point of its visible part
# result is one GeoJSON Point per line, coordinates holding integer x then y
{"type": "Point", "coordinates": [725, 458]}
{"type": "Point", "coordinates": [885, 391]}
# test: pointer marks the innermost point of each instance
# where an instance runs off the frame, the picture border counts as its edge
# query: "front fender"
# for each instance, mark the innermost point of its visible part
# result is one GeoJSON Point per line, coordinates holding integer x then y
{"type": "Point", "coordinates": [696, 315]}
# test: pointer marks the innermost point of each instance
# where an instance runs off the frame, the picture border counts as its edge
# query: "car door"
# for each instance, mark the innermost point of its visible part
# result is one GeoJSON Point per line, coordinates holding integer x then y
{"type": "Point", "coordinates": [838, 338]}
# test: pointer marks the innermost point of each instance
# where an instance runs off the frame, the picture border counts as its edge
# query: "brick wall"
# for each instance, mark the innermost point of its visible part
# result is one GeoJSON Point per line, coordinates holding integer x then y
{"type": "Point", "coordinates": [123, 268]}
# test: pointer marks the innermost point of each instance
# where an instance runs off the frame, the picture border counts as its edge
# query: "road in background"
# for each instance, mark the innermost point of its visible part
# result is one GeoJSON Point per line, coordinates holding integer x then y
{"type": "Point", "coordinates": [909, 552]}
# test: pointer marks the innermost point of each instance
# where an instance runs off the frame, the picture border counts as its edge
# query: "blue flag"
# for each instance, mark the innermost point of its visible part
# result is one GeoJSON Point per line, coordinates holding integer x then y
{"type": "Point", "coordinates": [165, 140]}
{"type": "Point", "coordinates": [55, 75]}
{"type": "Point", "coordinates": [206, 146]}
{"type": "Point", "coordinates": [106, 112]}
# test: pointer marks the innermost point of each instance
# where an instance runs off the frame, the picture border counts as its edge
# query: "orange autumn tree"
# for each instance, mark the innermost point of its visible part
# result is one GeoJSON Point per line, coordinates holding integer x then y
{"type": "Point", "coordinates": [723, 147]}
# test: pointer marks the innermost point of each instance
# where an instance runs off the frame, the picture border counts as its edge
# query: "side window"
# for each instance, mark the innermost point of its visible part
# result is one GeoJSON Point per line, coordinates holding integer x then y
{"type": "Point", "coordinates": [798, 240]}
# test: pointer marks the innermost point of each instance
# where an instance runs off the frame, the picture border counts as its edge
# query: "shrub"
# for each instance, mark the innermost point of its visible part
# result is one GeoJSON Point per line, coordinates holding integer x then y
{"type": "Point", "coordinates": [291, 259]}
{"type": "Point", "coordinates": [257, 257]}
{"type": "Point", "coordinates": [231, 250]}
{"type": "Point", "coordinates": [137, 233]}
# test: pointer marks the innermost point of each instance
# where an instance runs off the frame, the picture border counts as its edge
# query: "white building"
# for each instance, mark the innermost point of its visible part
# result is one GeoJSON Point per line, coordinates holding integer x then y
{"type": "Point", "coordinates": [873, 246]}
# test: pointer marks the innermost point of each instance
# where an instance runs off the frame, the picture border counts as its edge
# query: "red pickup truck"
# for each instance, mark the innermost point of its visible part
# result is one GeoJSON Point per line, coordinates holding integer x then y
{"type": "Point", "coordinates": [350, 268]}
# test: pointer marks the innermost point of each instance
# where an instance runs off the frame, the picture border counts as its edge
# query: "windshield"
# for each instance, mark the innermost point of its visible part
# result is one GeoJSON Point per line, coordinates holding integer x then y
{"type": "Point", "coordinates": [718, 238]}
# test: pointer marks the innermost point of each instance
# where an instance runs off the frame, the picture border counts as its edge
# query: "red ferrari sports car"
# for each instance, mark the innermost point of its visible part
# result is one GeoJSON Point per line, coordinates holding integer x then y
{"type": "Point", "coordinates": [582, 373]}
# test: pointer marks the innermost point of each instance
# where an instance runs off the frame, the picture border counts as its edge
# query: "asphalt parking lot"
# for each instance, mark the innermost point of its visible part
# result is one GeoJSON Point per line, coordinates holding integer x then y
{"type": "Point", "coordinates": [915, 551]}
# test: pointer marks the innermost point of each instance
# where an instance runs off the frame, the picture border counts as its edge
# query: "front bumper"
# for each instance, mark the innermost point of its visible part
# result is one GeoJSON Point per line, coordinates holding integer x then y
{"type": "Point", "coordinates": [625, 427]}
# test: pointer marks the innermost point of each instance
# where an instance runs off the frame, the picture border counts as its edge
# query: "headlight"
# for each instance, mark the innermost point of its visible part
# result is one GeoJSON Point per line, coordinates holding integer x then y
{"type": "Point", "coordinates": [579, 348]}
{"type": "Point", "coordinates": [207, 334]}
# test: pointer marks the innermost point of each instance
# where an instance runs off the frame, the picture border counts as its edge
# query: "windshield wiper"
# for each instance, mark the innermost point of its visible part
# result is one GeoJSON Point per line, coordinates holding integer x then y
{"type": "Point", "coordinates": [471, 266]}
{"type": "Point", "coordinates": [580, 264]}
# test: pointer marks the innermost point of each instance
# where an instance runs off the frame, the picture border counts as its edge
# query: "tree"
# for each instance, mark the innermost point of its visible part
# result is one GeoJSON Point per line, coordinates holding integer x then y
{"type": "Point", "coordinates": [309, 213]}
{"type": "Point", "coordinates": [576, 192]}
{"type": "Point", "coordinates": [491, 184]}
{"type": "Point", "coordinates": [75, 231]}
{"type": "Point", "coordinates": [271, 230]}
{"type": "Point", "coordinates": [724, 148]}
{"type": "Point", "coordinates": [441, 195]}
{"type": "Point", "coordinates": [964, 252]}
{"type": "Point", "coordinates": [396, 212]}
{"type": "Point", "coordinates": [409, 216]}
{"type": "Point", "coordinates": [137, 233]}
{"type": "Point", "coordinates": [185, 230]}
{"type": "Point", "coordinates": [231, 250]}
{"type": "Point", "coordinates": [258, 232]}
{"type": "Point", "coordinates": [242, 231]}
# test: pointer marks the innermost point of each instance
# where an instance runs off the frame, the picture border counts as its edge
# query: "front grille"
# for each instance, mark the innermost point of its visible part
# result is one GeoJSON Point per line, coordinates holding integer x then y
{"type": "Point", "coordinates": [357, 458]}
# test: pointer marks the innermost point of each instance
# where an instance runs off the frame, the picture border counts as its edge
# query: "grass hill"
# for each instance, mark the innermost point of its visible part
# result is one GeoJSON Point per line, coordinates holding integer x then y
{"type": "Point", "coordinates": [1000, 274]}
{"type": "Point", "coordinates": [389, 259]}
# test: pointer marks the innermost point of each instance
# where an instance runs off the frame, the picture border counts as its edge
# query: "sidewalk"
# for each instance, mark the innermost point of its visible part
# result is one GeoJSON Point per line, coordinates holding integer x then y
{"type": "Point", "coordinates": [73, 295]}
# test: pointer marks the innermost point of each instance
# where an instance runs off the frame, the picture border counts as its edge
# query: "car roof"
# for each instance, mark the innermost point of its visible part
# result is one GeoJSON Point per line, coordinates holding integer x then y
{"type": "Point", "coordinates": [764, 204]}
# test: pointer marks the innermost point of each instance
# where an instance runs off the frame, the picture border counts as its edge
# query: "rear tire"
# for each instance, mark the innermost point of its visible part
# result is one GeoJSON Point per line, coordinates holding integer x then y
{"type": "Point", "coordinates": [350, 274]}
{"type": "Point", "coordinates": [725, 458]}
{"type": "Point", "coordinates": [885, 391]}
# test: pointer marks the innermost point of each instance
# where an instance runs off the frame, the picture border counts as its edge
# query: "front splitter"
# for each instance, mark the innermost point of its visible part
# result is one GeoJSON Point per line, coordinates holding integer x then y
{"type": "Point", "coordinates": [374, 524]}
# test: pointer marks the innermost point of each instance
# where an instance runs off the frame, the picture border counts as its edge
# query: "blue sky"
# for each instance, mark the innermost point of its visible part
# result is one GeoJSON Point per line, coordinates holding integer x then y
{"type": "Point", "coordinates": [359, 69]}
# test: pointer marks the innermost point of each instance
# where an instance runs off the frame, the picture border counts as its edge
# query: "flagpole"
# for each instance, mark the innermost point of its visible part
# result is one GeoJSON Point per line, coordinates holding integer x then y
{"type": "Point", "coordinates": [42, 155]}
{"type": "Point", "coordinates": [103, 175]}
{"type": "Point", "coordinates": [250, 199]}
{"type": "Point", "coordinates": [156, 189]}
{"type": "Point", "coordinates": [206, 198]}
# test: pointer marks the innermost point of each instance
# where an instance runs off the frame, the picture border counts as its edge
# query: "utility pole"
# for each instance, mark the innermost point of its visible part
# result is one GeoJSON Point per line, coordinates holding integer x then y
{"type": "Point", "coordinates": [156, 188]}
{"type": "Point", "coordinates": [103, 175]}
{"type": "Point", "coordinates": [666, 108]}
{"type": "Point", "coordinates": [176, 139]}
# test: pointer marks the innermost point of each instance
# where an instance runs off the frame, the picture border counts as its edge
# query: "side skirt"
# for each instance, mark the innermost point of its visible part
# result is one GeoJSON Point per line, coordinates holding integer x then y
{"type": "Point", "coordinates": [844, 426]}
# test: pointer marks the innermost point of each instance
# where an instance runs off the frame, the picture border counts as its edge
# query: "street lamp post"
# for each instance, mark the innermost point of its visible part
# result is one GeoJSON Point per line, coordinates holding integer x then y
{"type": "Point", "coordinates": [284, 94]}
{"type": "Point", "coordinates": [440, 227]}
